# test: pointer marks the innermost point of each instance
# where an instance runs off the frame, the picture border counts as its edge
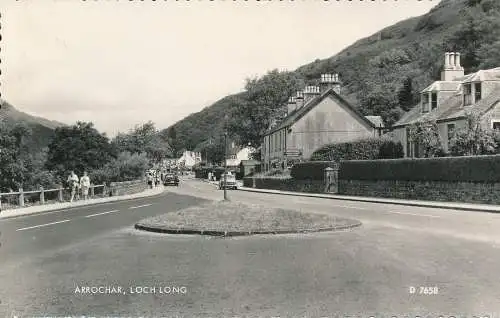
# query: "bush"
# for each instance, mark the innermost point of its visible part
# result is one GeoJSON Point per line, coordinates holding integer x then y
{"type": "Point", "coordinates": [126, 167]}
{"type": "Point", "coordinates": [312, 170]}
{"type": "Point", "coordinates": [363, 149]}
{"type": "Point", "coordinates": [456, 169]}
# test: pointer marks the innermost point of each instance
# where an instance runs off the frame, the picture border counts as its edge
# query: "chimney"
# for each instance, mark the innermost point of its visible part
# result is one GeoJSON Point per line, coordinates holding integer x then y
{"type": "Point", "coordinates": [336, 83]}
{"type": "Point", "coordinates": [291, 105]}
{"type": "Point", "coordinates": [452, 68]}
{"type": "Point", "coordinates": [310, 92]}
{"type": "Point", "coordinates": [299, 100]}
{"type": "Point", "coordinates": [327, 82]}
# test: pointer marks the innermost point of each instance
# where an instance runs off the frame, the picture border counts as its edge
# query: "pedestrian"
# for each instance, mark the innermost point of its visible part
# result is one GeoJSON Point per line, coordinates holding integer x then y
{"type": "Point", "coordinates": [73, 184]}
{"type": "Point", "coordinates": [85, 185]}
{"type": "Point", "coordinates": [150, 179]}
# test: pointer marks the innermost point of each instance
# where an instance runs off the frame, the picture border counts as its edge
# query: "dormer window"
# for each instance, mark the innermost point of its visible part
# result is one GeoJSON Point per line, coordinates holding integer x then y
{"type": "Point", "coordinates": [434, 100]}
{"type": "Point", "coordinates": [425, 103]}
{"type": "Point", "coordinates": [467, 95]}
{"type": "Point", "coordinates": [477, 92]}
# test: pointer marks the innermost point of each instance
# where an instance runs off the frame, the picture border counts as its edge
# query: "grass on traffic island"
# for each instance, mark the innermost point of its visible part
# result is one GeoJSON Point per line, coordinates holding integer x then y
{"type": "Point", "coordinates": [227, 218]}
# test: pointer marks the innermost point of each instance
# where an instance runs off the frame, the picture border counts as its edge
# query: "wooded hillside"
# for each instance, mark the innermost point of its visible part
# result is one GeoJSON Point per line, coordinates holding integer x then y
{"type": "Point", "coordinates": [381, 74]}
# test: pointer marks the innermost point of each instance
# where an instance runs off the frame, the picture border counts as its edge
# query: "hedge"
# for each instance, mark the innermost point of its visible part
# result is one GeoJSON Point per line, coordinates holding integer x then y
{"type": "Point", "coordinates": [311, 170]}
{"type": "Point", "coordinates": [457, 169]}
{"type": "Point", "coordinates": [363, 149]}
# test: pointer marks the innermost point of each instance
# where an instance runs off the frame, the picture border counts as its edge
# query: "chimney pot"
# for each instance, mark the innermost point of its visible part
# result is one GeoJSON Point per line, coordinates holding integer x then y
{"type": "Point", "coordinates": [446, 60]}
{"type": "Point", "coordinates": [457, 60]}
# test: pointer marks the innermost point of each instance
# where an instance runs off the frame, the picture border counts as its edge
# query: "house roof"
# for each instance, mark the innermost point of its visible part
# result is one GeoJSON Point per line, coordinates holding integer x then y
{"type": "Point", "coordinates": [249, 162]}
{"type": "Point", "coordinates": [450, 109]}
{"type": "Point", "coordinates": [482, 75]}
{"type": "Point", "coordinates": [376, 120]}
{"type": "Point", "coordinates": [442, 86]}
{"type": "Point", "coordinates": [301, 112]}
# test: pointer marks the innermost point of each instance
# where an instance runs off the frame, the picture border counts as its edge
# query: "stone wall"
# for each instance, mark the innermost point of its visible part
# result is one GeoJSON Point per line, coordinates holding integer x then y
{"type": "Point", "coordinates": [288, 184]}
{"type": "Point", "coordinates": [471, 192]}
{"type": "Point", "coordinates": [127, 187]}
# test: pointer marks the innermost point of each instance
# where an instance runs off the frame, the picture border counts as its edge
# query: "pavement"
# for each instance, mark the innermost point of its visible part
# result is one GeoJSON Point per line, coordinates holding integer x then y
{"type": "Point", "coordinates": [417, 203]}
{"type": "Point", "coordinates": [75, 204]}
{"type": "Point", "coordinates": [403, 261]}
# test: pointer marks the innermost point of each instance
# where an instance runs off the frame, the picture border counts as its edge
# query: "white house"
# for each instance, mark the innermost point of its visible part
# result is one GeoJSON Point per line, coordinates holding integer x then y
{"type": "Point", "coordinates": [237, 155]}
{"type": "Point", "coordinates": [189, 159]}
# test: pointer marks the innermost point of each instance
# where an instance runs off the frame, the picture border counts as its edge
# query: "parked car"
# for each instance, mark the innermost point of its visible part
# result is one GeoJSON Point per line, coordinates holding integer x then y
{"type": "Point", "coordinates": [230, 182]}
{"type": "Point", "coordinates": [171, 178]}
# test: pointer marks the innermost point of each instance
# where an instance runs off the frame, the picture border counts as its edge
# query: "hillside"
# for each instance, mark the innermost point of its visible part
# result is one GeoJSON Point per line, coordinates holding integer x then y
{"type": "Point", "coordinates": [42, 130]}
{"type": "Point", "coordinates": [383, 73]}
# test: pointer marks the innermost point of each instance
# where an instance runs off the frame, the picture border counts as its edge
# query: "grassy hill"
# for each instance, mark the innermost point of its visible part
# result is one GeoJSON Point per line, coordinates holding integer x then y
{"type": "Point", "coordinates": [383, 73]}
{"type": "Point", "coordinates": [42, 130]}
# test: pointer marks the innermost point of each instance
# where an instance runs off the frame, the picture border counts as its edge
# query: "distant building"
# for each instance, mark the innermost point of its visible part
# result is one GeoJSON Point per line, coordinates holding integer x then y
{"type": "Point", "coordinates": [315, 117]}
{"type": "Point", "coordinates": [189, 159]}
{"type": "Point", "coordinates": [237, 154]}
{"type": "Point", "coordinates": [446, 101]}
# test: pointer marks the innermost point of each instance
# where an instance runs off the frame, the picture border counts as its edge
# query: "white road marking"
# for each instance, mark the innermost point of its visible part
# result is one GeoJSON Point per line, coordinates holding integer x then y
{"type": "Point", "coordinates": [140, 206]}
{"type": "Point", "coordinates": [41, 225]}
{"type": "Point", "coordinates": [348, 207]}
{"type": "Point", "coordinates": [91, 215]}
{"type": "Point", "coordinates": [415, 214]}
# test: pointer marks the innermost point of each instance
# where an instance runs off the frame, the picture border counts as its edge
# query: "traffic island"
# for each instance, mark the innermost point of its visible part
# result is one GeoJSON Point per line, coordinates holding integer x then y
{"type": "Point", "coordinates": [227, 218]}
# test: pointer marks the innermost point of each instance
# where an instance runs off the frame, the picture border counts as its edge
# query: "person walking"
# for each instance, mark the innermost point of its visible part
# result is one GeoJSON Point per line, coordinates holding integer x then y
{"type": "Point", "coordinates": [85, 185]}
{"type": "Point", "coordinates": [150, 179]}
{"type": "Point", "coordinates": [73, 184]}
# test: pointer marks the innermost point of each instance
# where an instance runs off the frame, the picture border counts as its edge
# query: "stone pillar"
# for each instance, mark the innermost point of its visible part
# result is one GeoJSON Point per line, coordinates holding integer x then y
{"type": "Point", "coordinates": [253, 182]}
{"type": "Point", "coordinates": [332, 179]}
{"type": "Point", "coordinates": [21, 197]}
{"type": "Point", "coordinates": [61, 198]}
{"type": "Point", "coordinates": [42, 196]}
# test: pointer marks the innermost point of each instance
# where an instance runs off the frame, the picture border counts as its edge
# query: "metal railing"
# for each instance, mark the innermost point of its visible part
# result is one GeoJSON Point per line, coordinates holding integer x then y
{"type": "Point", "coordinates": [20, 199]}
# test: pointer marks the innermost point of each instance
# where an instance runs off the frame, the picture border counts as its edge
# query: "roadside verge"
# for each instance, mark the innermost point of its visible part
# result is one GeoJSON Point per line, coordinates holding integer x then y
{"type": "Point", "coordinates": [416, 203]}
{"type": "Point", "coordinates": [5, 214]}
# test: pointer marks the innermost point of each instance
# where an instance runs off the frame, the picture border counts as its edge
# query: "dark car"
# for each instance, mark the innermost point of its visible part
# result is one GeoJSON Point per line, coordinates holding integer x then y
{"type": "Point", "coordinates": [171, 178]}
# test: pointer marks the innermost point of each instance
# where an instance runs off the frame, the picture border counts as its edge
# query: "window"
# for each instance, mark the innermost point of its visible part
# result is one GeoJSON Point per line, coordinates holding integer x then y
{"type": "Point", "coordinates": [434, 100]}
{"type": "Point", "coordinates": [451, 131]}
{"type": "Point", "coordinates": [495, 124]}
{"type": "Point", "coordinates": [467, 95]}
{"type": "Point", "coordinates": [477, 92]}
{"type": "Point", "coordinates": [425, 103]}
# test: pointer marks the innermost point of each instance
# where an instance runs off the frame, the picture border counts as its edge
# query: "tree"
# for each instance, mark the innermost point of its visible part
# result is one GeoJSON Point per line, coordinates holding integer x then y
{"type": "Point", "coordinates": [144, 138]}
{"type": "Point", "coordinates": [126, 167]}
{"type": "Point", "coordinates": [425, 134]}
{"type": "Point", "coordinates": [78, 148]}
{"type": "Point", "coordinates": [263, 101]}
{"type": "Point", "coordinates": [407, 97]}
{"type": "Point", "coordinates": [473, 139]}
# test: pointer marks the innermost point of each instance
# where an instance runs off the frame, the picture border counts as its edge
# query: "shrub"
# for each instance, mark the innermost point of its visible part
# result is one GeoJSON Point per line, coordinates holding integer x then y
{"type": "Point", "coordinates": [456, 169]}
{"type": "Point", "coordinates": [126, 167]}
{"type": "Point", "coordinates": [363, 149]}
{"type": "Point", "coordinates": [312, 170]}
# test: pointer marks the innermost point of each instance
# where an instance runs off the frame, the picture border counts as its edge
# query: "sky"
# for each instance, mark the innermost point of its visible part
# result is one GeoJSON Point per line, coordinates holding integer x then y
{"type": "Point", "coordinates": [122, 63]}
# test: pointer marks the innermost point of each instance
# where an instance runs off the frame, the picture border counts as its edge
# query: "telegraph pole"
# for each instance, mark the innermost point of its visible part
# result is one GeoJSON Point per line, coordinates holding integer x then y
{"type": "Point", "coordinates": [225, 157]}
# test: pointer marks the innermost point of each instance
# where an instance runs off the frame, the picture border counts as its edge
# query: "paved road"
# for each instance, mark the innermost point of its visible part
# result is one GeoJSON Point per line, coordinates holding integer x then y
{"type": "Point", "coordinates": [45, 265]}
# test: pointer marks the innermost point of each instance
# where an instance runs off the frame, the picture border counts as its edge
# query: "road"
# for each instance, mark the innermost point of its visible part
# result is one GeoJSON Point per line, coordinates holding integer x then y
{"type": "Point", "coordinates": [47, 261]}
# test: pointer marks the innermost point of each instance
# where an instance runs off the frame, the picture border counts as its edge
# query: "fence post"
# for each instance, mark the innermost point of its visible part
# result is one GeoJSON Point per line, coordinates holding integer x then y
{"type": "Point", "coordinates": [104, 191]}
{"type": "Point", "coordinates": [21, 197]}
{"type": "Point", "coordinates": [42, 196]}
{"type": "Point", "coordinates": [92, 193]}
{"type": "Point", "coordinates": [61, 198]}
{"type": "Point", "coordinates": [0, 203]}
{"type": "Point", "coordinates": [253, 182]}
